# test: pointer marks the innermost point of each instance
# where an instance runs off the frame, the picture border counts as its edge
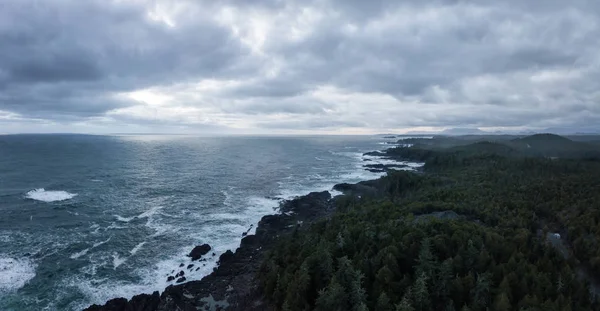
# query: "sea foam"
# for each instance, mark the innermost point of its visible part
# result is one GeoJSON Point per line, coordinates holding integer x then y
{"type": "Point", "coordinates": [15, 273]}
{"type": "Point", "coordinates": [49, 196]}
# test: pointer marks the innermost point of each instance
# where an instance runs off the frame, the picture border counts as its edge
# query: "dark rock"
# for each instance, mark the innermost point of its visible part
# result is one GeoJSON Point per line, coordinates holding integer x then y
{"type": "Point", "coordinates": [308, 206]}
{"type": "Point", "coordinates": [214, 254]}
{"type": "Point", "coordinates": [225, 256]}
{"type": "Point", "coordinates": [181, 265]}
{"type": "Point", "coordinates": [376, 154]}
{"type": "Point", "coordinates": [250, 240]}
{"type": "Point", "coordinates": [384, 166]}
{"type": "Point", "coordinates": [190, 266]}
{"type": "Point", "coordinates": [143, 302]}
{"type": "Point", "coordinates": [197, 268]}
{"type": "Point", "coordinates": [181, 279]}
{"type": "Point", "coordinates": [359, 189]}
{"type": "Point", "coordinates": [170, 278]}
{"type": "Point", "coordinates": [199, 251]}
{"type": "Point", "coordinates": [181, 273]}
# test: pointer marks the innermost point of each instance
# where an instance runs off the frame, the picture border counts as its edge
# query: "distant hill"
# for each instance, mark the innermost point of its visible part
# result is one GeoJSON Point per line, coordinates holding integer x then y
{"type": "Point", "coordinates": [552, 145]}
{"type": "Point", "coordinates": [464, 131]}
{"type": "Point", "coordinates": [486, 147]}
{"type": "Point", "coordinates": [537, 145]}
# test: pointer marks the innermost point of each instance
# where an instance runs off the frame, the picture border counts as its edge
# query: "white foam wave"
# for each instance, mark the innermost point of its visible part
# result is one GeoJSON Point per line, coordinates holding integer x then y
{"type": "Point", "coordinates": [101, 242]}
{"type": "Point", "coordinates": [79, 254]}
{"type": "Point", "coordinates": [85, 251]}
{"type": "Point", "coordinates": [49, 196]}
{"type": "Point", "coordinates": [117, 260]}
{"type": "Point", "coordinates": [147, 214]}
{"type": "Point", "coordinates": [15, 273]}
{"type": "Point", "coordinates": [124, 219]}
{"type": "Point", "coordinates": [152, 211]}
{"type": "Point", "coordinates": [228, 197]}
{"type": "Point", "coordinates": [136, 248]}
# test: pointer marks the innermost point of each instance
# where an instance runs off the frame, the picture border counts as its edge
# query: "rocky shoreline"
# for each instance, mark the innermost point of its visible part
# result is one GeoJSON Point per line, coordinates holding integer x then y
{"type": "Point", "coordinates": [232, 284]}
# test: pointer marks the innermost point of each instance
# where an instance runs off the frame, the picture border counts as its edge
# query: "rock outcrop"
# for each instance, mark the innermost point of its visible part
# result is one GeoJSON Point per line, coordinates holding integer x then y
{"type": "Point", "coordinates": [199, 251]}
{"type": "Point", "coordinates": [232, 285]}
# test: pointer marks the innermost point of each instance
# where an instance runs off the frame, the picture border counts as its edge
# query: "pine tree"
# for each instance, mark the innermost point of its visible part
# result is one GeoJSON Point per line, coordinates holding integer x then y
{"type": "Point", "coordinates": [480, 294]}
{"type": "Point", "coordinates": [444, 277]}
{"type": "Point", "coordinates": [332, 298]}
{"type": "Point", "coordinates": [383, 303]}
{"type": "Point", "coordinates": [502, 303]}
{"type": "Point", "coordinates": [420, 293]}
{"type": "Point", "coordinates": [351, 281]}
{"type": "Point", "coordinates": [472, 254]}
{"type": "Point", "coordinates": [425, 262]}
{"type": "Point", "coordinates": [405, 304]}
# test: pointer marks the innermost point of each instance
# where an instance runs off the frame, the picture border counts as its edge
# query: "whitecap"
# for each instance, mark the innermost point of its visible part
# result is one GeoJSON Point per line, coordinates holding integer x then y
{"type": "Point", "coordinates": [152, 211]}
{"type": "Point", "coordinates": [49, 196]}
{"type": "Point", "coordinates": [136, 248]}
{"type": "Point", "coordinates": [79, 254]}
{"type": "Point", "coordinates": [15, 273]}
{"type": "Point", "coordinates": [101, 242]}
{"type": "Point", "coordinates": [117, 260]}
{"type": "Point", "coordinates": [228, 198]}
{"type": "Point", "coordinates": [147, 214]}
{"type": "Point", "coordinates": [85, 251]}
{"type": "Point", "coordinates": [124, 219]}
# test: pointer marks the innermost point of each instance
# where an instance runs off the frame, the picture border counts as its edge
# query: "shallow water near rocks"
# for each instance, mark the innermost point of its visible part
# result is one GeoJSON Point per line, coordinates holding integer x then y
{"type": "Point", "coordinates": [84, 219]}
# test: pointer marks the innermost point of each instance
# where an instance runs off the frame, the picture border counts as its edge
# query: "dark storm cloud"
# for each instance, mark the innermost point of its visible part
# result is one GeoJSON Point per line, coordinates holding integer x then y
{"type": "Point", "coordinates": [332, 63]}
{"type": "Point", "coordinates": [67, 57]}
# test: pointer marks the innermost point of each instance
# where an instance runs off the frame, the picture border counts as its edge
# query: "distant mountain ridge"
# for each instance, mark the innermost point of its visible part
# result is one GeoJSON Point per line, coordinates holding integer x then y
{"type": "Point", "coordinates": [476, 131]}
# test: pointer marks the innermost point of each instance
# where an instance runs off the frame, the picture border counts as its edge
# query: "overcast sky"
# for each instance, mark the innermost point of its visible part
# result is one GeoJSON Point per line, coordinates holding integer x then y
{"type": "Point", "coordinates": [301, 66]}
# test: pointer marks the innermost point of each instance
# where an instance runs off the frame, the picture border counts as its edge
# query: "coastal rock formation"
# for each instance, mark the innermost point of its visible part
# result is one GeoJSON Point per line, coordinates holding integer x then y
{"type": "Point", "coordinates": [232, 285]}
{"type": "Point", "coordinates": [199, 251]}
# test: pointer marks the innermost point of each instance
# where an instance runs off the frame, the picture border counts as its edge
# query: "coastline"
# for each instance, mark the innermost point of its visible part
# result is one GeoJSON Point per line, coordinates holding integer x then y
{"type": "Point", "coordinates": [232, 284]}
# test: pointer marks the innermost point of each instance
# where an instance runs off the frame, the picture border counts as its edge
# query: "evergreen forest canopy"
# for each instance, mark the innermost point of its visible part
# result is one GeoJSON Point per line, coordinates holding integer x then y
{"type": "Point", "coordinates": [491, 223]}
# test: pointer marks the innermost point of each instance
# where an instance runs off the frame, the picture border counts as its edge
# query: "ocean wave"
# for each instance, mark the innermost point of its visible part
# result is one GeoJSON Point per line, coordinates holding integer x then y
{"type": "Point", "coordinates": [41, 194]}
{"type": "Point", "coordinates": [147, 214]}
{"type": "Point", "coordinates": [118, 260]}
{"type": "Point", "coordinates": [136, 248]}
{"type": "Point", "coordinates": [15, 273]}
{"type": "Point", "coordinates": [85, 251]}
{"type": "Point", "coordinates": [101, 242]}
{"type": "Point", "coordinates": [79, 254]}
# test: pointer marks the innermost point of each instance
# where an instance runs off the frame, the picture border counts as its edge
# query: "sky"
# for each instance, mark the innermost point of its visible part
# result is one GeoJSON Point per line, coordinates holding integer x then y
{"type": "Point", "coordinates": [298, 66]}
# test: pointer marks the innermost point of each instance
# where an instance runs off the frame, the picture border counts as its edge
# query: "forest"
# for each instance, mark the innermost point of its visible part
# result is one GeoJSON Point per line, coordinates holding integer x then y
{"type": "Point", "coordinates": [510, 224]}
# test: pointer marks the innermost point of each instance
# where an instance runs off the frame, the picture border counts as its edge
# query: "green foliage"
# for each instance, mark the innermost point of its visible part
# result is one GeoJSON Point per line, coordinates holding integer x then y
{"type": "Point", "coordinates": [397, 252]}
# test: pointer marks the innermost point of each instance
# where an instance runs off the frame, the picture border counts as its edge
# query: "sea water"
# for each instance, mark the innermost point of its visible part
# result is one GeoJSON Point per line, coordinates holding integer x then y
{"type": "Point", "coordinates": [84, 219]}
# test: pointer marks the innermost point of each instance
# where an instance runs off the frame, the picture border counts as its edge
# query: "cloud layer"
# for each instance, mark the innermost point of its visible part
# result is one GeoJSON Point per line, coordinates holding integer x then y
{"type": "Point", "coordinates": [297, 66]}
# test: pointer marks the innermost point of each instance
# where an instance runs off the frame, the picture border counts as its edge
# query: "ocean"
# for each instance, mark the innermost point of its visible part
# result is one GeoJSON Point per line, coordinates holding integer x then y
{"type": "Point", "coordinates": [84, 218]}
